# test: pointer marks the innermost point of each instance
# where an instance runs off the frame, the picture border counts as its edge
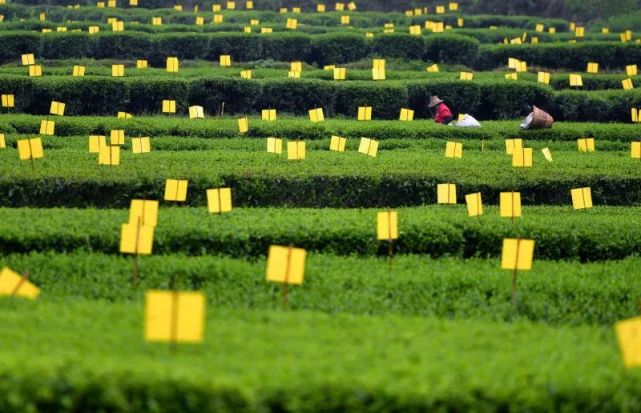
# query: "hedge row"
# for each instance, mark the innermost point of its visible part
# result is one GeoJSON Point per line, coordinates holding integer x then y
{"type": "Point", "coordinates": [598, 293]}
{"type": "Point", "coordinates": [484, 100]}
{"type": "Point", "coordinates": [217, 127]}
{"type": "Point", "coordinates": [560, 233]}
{"type": "Point", "coordinates": [87, 356]}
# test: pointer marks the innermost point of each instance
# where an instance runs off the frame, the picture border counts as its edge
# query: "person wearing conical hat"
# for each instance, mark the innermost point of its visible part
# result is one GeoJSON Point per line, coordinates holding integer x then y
{"type": "Point", "coordinates": [442, 114]}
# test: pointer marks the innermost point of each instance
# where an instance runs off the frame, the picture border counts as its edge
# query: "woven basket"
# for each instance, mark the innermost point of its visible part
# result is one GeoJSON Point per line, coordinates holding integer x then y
{"type": "Point", "coordinates": [541, 119]}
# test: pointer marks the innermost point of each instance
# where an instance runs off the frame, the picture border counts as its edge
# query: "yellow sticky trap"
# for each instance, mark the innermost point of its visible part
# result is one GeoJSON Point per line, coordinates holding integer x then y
{"type": "Point", "coordinates": [522, 158]}
{"type": "Point", "coordinates": [178, 7]}
{"type": "Point", "coordinates": [446, 194]}
{"type": "Point", "coordinates": [339, 6]}
{"type": "Point", "coordinates": [275, 145]}
{"type": "Point", "coordinates": [453, 6]}
{"type": "Point", "coordinates": [246, 74]}
{"type": "Point", "coordinates": [516, 40]}
{"type": "Point", "coordinates": [140, 145]}
{"type": "Point", "coordinates": [631, 70]}
{"type": "Point", "coordinates": [247, 29]}
{"type": "Point", "coordinates": [218, 18]}
{"type": "Point", "coordinates": [340, 73]}
{"type": "Point", "coordinates": [292, 24]}
{"type": "Point", "coordinates": [296, 151]}
{"type": "Point", "coordinates": [320, 8]}
{"type": "Point", "coordinates": [517, 254]}
{"type": "Point", "coordinates": [96, 142]}
{"type": "Point", "coordinates": [266, 30]}
{"type": "Point", "coordinates": [539, 28]}
{"type": "Point", "coordinates": [636, 115]}
{"type": "Point", "coordinates": [627, 84]}
{"type": "Point", "coordinates": [579, 32]}
{"type": "Point", "coordinates": [47, 127]}
{"type": "Point", "coordinates": [29, 149]}
{"type": "Point", "coordinates": [144, 210]}
{"type": "Point", "coordinates": [576, 80]}
{"type": "Point", "coordinates": [293, 75]}
{"type": "Point", "coordinates": [15, 285]}
{"type": "Point", "coordinates": [78, 71]}
{"type": "Point", "coordinates": [28, 59]}
{"type": "Point", "coordinates": [387, 226]}
{"type": "Point", "coordinates": [243, 125]}
{"type": "Point", "coordinates": [535, 40]}
{"type": "Point", "coordinates": [581, 198]}
{"type": "Point", "coordinates": [118, 26]}
{"type": "Point", "coordinates": [117, 70]}
{"type": "Point", "coordinates": [368, 147]}
{"type": "Point", "coordinates": [216, 8]}
{"type": "Point", "coordinates": [521, 67]}
{"type": "Point", "coordinates": [8, 101]}
{"type": "Point", "coordinates": [109, 155]}
{"type": "Point", "coordinates": [543, 77]}
{"type": "Point", "coordinates": [511, 76]}
{"type": "Point", "coordinates": [406, 115]}
{"type": "Point", "coordinates": [512, 62]}
{"type": "Point", "coordinates": [460, 22]}
{"type": "Point", "coordinates": [176, 190]}
{"type": "Point", "coordinates": [345, 20]}
{"type": "Point", "coordinates": [511, 144]}
{"type": "Point", "coordinates": [547, 154]}
{"type": "Point", "coordinates": [200, 21]}
{"type": "Point", "coordinates": [365, 113]}
{"type": "Point", "coordinates": [433, 68]}
{"type": "Point", "coordinates": [254, 22]}
{"type": "Point", "coordinates": [296, 67]}
{"type": "Point", "coordinates": [316, 115]}
{"type": "Point", "coordinates": [474, 204]}
{"type": "Point", "coordinates": [225, 60]}
{"type": "Point", "coordinates": [635, 150]}
{"type": "Point", "coordinates": [168, 106]}
{"type": "Point", "coordinates": [605, 30]}
{"type": "Point", "coordinates": [196, 112]}
{"type": "Point", "coordinates": [351, 6]}
{"type": "Point", "coordinates": [117, 137]}
{"type": "Point", "coordinates": [453, 150]}
{"type": "Point", "coordinates": [585, 145]}
{"type": "Point", "coordinates": [415, 30]}
{"type": "Point", "coordinates": [629, 339]}
{"type": "Point", "coordinates": [440, 9]}
{"type": "Point", "coordinates": [172, 65]}
{"type": "Point", "coordinates": [378, 74]}
{"type": "Point", "coordinates": [510, 204]}
{"type": "Point", "coordinates": [337, 144]}
{"type": "Point", "coordinates": [35, 71]}
{"type": "Point", "coordinates": [231, 5]}
{"type": "Point", "coordinates": [124, 115]}
{"type": "Point", "coordinates": [219, 200]}
{"type": "Point", "coordinates": [174, 317]}
{"type": "Point", "coordinates": [3, 143]}
{"type": "Point", "coordinates": [269, 115]}
{"type": "Point", "coordinates": [141, 64]}
{"type": "Point", "coordinates": [94, 29]}
{"type": "Point", "coordinates": [249, 5]}
{"type": "Point", "coordinates": [466, 76]}
{"type": "Point", "coordinates": [593, 68]}
{"type": "Point", "coordinates": [286, 265]}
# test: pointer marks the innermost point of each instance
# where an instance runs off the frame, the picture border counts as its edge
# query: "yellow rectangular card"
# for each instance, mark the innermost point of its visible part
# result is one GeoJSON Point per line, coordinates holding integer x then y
{"type": "Point", "coordinates": [168, 106]}
{"type": "Point", "coordinates": [117, 137]}
{"type": "Point", "coordinates": [406, 115]}
{"type": "Point", "coordinates": [543, 77]}
{"type": "Point", "coordinates": [143, 212]}
{"type": "Point", "coordinates": [340, 73]}
{"type": "Point", "coordinates": [446, 194]}
{"type": "Point", "coordinates": [136, 239]}
{"type": "Point", "coordinates": [635, 149]}
{"type": "Point", "coordinates": [8, 101]}
{"type": "Point", "coordinates": [243, 125]}
{"type": "Point", "coordinates": [30, 149]}
{"type": "Point", "coordinates": [275, 145]}
{"type": "Point", "coordinates": [387, 225]}
{"type": "Point", "coordinates": [78, 71]}
{"type": "Point", "coordinates": [474, 204]}
{"type": "Point", "coordinates": [286, 264]}
{"type": "Point", "coordinates": [522, 158]}
{"type": "Point", "coordinates": [117, 70]}
{"type": "Point", "coordinates": [176, 190]}
{"type": "Point", "coordinates": [174, 317]}
{"type": "Point", "coordinates": [365, 113]}
{"type": "Point", "coordinates": [109, 155]}
{"type": "Point", "coordinates": [585, 144]}
{"type": "Point", "coordinates": [196, 112]}
{"type": "Point", "coordinates": [296, 150]}
{"type": "Point", "coordinates": [140, 145]}
{"type": "Point", "coordinates": [581, 198]}
{"type": "Point", "coordinates": [16, 285]}
{"type": "Point", "coordinates": [453, 150]}
{"type": "Point", "coordinates": [219, 200]}
{"type": "Point", "coordinates": [629, 338]}
{"type": "Point", "coordinates": [517, 254]}
{"type": "Point", "coordinates": [269, 115]}
{"type": "Point", "coordinates": [316, 115]}
{"type": "Point", "coordinates": [337, 144]}
{"type": "Point", "coordinates": [173, 65]}
{"type": "Point", "coordinates": [225, 60]}
{"type": "Point", "coordinates": [547, 154]}
{"type": "Point", "coordinates": [510, 204]}
{"type": "Point", "coordinates": [368, 147]}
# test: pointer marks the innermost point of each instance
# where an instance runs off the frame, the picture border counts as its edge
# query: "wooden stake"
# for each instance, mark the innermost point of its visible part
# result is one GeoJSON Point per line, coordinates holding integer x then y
{"type": "Point", "coordinates": [222, 110]}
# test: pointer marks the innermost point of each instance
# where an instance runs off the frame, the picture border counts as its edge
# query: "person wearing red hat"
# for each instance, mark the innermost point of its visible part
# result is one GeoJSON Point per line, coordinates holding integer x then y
{"type": "Point", "coordinates": [443, 114]}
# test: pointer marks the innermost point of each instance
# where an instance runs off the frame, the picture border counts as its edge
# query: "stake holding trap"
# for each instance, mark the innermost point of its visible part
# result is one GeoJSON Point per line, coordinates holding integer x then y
{"type": "Point", "coordinates": [14, 285]}
{"type": "Point", "coordinates": [387, 230]}
{"type": "Point", "coordinates": [286, 265]}
{"type": "Point", "coordinates": [30, 149]}
{"type": "Point", "coordinates": [517, 256]}
{"type": "Point", "coordinates": [629, 338]}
